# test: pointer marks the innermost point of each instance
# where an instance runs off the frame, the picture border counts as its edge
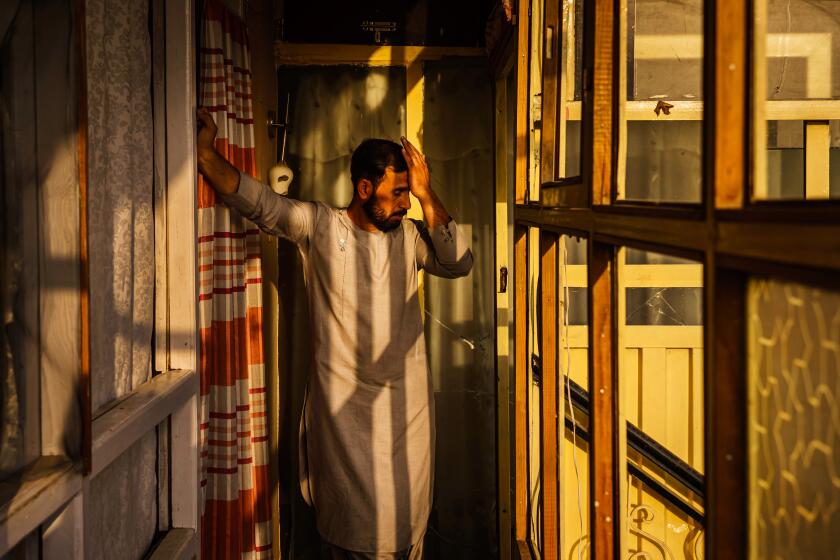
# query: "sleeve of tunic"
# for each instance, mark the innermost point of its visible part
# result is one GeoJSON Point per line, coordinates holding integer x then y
{"type": "Point", "coordinates": [442, 251]}
{"type": "Point", "coordinates": [273, 213]}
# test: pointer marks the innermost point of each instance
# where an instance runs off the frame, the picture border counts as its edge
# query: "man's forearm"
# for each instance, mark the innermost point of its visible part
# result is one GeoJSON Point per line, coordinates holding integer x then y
{"type": "Point", "coordinates": [433, 211]}
{"type": "Point", "coordinates": [218, 171]}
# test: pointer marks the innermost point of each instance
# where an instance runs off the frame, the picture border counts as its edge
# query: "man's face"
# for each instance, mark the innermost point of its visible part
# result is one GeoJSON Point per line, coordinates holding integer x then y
{"type": "Point", "coordinates": [390, 202]}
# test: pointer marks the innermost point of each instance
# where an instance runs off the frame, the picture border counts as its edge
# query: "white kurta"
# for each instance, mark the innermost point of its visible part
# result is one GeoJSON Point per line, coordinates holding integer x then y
{"type": "Point", "coordinates": [367, 431]}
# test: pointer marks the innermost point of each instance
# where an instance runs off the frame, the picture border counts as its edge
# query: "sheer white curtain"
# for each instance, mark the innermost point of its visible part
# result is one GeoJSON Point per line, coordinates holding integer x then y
{"type": "Point", "coordinates": [123, 518]}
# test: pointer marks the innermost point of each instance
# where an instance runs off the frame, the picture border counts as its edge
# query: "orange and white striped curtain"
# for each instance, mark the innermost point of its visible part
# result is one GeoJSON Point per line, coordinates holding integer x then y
{"type": "Point", "coordinates": [234, 433]}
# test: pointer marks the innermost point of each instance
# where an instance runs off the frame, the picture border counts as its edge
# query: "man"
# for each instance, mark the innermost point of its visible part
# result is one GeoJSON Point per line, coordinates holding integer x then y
{"type": "Point", "coordinates": [367, 429]}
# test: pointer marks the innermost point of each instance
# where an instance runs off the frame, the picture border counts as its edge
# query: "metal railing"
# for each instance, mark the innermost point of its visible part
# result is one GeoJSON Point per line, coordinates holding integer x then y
{"type": "Point", "coordinates": [647, 447]}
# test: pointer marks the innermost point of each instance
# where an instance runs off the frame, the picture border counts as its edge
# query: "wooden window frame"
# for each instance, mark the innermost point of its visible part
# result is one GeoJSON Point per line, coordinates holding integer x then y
{"type": "Point", "coordinates": [732, 235]}
{"type": "Point", "coordinates": [54, 495]}
{"type": "Point", "coordinates": [502, 64]}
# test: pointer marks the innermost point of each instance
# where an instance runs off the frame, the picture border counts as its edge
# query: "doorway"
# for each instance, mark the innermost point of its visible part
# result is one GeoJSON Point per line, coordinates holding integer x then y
{"type": "Point", "coordinates": [443, 104]}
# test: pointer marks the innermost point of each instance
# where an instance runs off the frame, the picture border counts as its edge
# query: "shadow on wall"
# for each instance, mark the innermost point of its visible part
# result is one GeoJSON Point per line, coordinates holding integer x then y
{"type": "Point", "coordinates": [40, 217]}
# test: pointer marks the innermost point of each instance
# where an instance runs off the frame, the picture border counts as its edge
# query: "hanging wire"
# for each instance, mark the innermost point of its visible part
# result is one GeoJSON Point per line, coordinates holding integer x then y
{"type": "Point", "coordinates": [285, 128]}
{"type": "Point", "coordinates": [533, 519]}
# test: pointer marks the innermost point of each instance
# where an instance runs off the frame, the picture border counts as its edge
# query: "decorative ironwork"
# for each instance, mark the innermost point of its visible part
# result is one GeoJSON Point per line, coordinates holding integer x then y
{"type": "Point", "coordinates": [643, 523]}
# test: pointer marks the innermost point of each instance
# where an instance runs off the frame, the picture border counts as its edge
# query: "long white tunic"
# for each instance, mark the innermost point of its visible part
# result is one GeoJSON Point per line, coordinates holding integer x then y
{"type": "Point", "coordinates": [367, 431]}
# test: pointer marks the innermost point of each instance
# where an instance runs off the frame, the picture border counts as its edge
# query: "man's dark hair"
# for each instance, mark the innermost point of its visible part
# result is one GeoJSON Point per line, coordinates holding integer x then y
{"type": "Point", "coordinates": [372, 157]}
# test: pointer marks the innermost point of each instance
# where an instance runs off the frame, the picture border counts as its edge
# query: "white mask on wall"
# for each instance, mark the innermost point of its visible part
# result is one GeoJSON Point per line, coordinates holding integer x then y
{"type": "Point", "coordinates": [280, 177]}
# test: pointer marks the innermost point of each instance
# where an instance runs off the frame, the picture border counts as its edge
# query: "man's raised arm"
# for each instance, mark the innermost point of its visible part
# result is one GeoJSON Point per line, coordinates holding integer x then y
{"type": "Point", "coordinates": [274, 213]}
{"type": "Point", "coordinates": [421, 187]}
{"type": "Point", "coordinates": [221, 175]}
{"type": "Point", "coordinates": [441, 250]}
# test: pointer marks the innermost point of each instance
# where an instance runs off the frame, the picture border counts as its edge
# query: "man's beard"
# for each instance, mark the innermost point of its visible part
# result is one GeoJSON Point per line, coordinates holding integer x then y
{"type": "Point", "coordinates": [377, 216]}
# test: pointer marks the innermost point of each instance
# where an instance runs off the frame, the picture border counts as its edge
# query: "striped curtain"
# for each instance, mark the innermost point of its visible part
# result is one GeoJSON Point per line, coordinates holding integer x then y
{"type": "Point", "coordinates": [234, 434]}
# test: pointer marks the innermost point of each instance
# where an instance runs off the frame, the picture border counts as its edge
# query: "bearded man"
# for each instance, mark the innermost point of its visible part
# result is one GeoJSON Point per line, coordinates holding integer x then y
{"type": "Point", "coordinates": [367, 428]}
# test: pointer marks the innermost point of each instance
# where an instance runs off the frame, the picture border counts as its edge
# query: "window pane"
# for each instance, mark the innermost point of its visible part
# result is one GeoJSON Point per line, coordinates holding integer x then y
{"type": "Point", "coordinates": [570, 92]}
{"type": "Point", "coordinates": [13, 300]}
{"type": "Point", "coordinates": [794, 429]}
{"type": "Point", "coordinates": [572, 355]}
{"type": "Point", "coordinates": [39, 233]}
{"type": "Point", "coordinates": [535, 100]}
{"type": "Point", "coordinates": [122, 518]}
{"type": "Point", "coordinates": [660, 365]}
{"type": "Point", "coordinates": [561, 106]}
{"type": "Point", "coordinates": [797, 99]}
{"type": "Point", "coordinates": [571, 351]}
{"type": "Point", "coordinates": [660, 109]}
{"type": "Point", "coordinates": [458, 145]}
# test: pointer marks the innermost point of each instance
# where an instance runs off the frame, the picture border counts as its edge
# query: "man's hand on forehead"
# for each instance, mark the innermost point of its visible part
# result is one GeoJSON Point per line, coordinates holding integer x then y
{"type": "Point", "coordinates": [418, 170]}
{"type": "Point", "coordinates": [418, 182]}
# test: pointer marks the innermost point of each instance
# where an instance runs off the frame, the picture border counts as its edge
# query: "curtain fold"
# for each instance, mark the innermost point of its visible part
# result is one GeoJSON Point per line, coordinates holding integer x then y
{"type": "Point", "coordinates": [234, 434]}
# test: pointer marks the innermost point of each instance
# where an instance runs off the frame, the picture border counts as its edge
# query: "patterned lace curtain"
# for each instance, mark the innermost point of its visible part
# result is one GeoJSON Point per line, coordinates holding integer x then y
{"type": "Point", "coordinates": [234, 434]}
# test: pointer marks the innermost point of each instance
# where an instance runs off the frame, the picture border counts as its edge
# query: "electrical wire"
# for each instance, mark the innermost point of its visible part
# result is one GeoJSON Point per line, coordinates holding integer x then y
{"type": "Point", "coordinates": [534, 511]}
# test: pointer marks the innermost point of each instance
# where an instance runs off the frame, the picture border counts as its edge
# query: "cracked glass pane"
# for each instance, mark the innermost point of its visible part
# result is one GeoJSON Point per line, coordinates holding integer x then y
{"type": "Point", "coordinates": [460, 321]}
{"type": "Point", "coordinates": [664, 306]}
{"type": "Point", "coordinates": [660, 368]}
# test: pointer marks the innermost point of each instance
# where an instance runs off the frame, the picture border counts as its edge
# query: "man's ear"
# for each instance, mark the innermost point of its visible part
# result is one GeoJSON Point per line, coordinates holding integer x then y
{"type": "Point", "coordinates": [364, 188]}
